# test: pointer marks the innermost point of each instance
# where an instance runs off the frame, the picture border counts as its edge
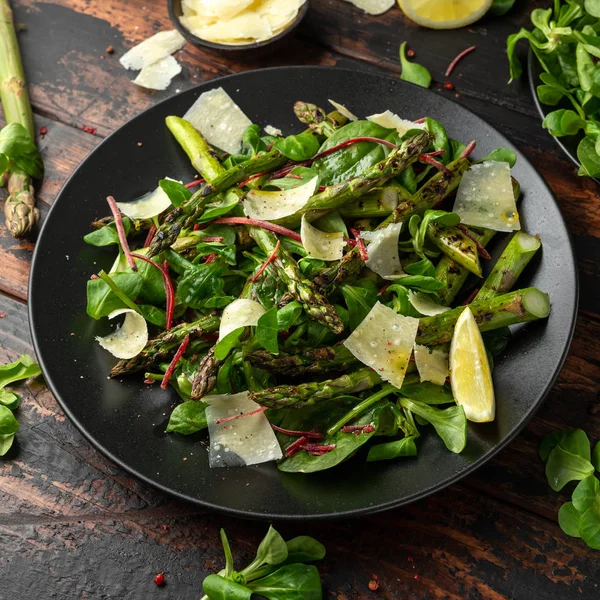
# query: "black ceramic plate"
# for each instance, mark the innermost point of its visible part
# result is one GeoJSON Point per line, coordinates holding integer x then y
{"type": "Point", "coordinates": [125, 419]}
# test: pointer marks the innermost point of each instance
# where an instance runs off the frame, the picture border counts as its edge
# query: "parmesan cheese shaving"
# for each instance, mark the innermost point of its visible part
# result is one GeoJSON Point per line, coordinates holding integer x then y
{"type": "Point", "coordinates": [485, 197]}
{"type": "Point", "coordinates": [219, 119]}
{"type": "Point", "coordinates": [384, 341]}
{"type": "Point", "coordinates": [147, 206]}
{"type": "Point", "coordinates": [244, 28]}
{"type": "Point", "coordinates": [152, 50]}
{"type": "Point", "coordinates": [425, 304]}
{"type": "Point", "coordinates": [384, 257]}
{"type": "Point", "coordinates": [240, 313]}
{"type": "Point", "coordinates": [392, 121]}
{"type": "Point", "coordinates": [373, 7]}
{"type": "Point", "coordinates": [343, 110]}
{"type": "Point", "coordinates": [239, 442]}
{"type": "Point", "coordinates": [222, 9]}
{"type": "Point", "coordinates": [320, 244]}
{"type": "Point", "coordinates": [158, 75]}
{"type": "Point", "coordinates": [129, 339]}
{"type": "Point", "coordinates": [432, 364]}
{"type": "Point", "coordinates": [269, 206]}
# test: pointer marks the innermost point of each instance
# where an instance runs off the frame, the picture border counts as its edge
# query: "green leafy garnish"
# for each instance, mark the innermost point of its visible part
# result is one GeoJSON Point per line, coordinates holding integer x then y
{"type": "Point", "coordinates": [566, 44]}
{"type": "Point", "coordinates": [23, 368]}
{"type": "Point", "coordinates": [298, 147]}
{"type": "Point", "coordinates": [567, 456]}
{"type": "Point", "coordinates": [187, 418]}
{"type": "Point", "coordinates": [176, 191]}
{"type": "Point", "coordinates": [413, 72]}
{"type": "Point", "coordinates": [403, 447]}
{"type": "Point", "coordinates": [277, 572]}
{"type": "Point", "coordinates": [17, 148]}
{"type": "Point", "coordinates": [267, 330]}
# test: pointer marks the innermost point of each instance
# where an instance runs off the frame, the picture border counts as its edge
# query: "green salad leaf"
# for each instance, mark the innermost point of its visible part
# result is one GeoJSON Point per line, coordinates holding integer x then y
{"type": "Point", "coordinates": [413, 72]}
{"type": "Point", "coordinates": [566, 44]}
{"type": "Point", "coordinates": [188, 418]}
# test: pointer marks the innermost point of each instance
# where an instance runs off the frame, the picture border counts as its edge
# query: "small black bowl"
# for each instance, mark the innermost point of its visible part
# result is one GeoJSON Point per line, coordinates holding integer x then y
{"type": "Point", "coordinates": [176, 11]}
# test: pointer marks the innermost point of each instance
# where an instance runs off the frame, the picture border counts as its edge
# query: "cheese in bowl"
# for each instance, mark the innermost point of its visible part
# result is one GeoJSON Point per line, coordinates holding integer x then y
{"type": "Point", "coordinates": [239, 22]}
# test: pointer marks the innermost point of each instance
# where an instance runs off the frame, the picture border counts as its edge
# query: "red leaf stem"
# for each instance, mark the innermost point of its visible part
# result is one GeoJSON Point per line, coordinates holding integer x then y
{"type": "Point", "coordinates": [121, 231]}
{"type": "Point", "coordinates": [258, 223]}
{"type": "Point", "coordinates": [173, 363]}
{"type": "Point", "coordinates": [267, 262]}
{"type": "Point", "coordinates": [457, 59]}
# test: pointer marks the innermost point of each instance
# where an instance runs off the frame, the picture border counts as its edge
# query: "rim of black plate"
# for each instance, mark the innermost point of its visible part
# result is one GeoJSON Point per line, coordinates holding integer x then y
{"type": "Point", "coordinates": [283, 517]}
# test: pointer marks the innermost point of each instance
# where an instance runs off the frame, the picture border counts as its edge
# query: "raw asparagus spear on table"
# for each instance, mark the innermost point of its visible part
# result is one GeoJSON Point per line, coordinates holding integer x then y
{"type": "Point", "coordinates": [270, 312]}
{"type": "Point", "coordinates": [20, 160]}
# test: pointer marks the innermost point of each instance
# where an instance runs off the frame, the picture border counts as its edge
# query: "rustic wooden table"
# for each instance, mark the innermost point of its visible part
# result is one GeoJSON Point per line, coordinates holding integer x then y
{"type": "Point", "coordinates": [72, 526]}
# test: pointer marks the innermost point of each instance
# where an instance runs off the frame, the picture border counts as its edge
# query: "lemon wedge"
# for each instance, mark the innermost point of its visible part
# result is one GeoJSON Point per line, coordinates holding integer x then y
{"type": "Point", "coordinates": [470, 373]}
{"type": "Point", "coordinates": [444, 14]}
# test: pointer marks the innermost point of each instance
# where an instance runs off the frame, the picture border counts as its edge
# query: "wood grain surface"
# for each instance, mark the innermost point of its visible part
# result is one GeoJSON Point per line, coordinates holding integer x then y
{"type": "Point", "coordinates": [73, 526]}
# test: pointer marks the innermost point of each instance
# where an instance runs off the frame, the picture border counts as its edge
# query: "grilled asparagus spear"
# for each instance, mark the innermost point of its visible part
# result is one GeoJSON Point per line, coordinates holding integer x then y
{"type": "Point", "coordinates": [516, 256]}
{"type": "Point", "coordinates": [305, 394]}
{"type": "Point", "coordinates": [304, 362]}
{"type": "Point", "coordinates": [434, 191]}
{"type": "Point", "coordinates": [162, 345]}
{"type": "Point", "coordinates": [337, 195]}
{"type": "Point", "coordinates": [524, 305]}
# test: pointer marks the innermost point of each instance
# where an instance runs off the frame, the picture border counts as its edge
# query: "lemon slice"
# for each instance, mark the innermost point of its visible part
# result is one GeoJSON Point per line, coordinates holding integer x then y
{"type": "Point", "coordinates": [444, 14]}
{"type": "Point", "coordinates": [470, 373]}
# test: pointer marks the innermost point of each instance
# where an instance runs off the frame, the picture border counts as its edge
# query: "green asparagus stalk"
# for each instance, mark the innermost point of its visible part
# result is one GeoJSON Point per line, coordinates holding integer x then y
{"type": "Point", "coordinates": [304, 362]}
{"type": "Point", "coordinates": [451, 273]}
{"type": "Point", "coordinates": [161, 346]}
{"type": "Point", "coordinates": [439, 187]}
{"type": "Point", "coordinates": [454, 275]}
{"type": "Point", "coordinates": [305, 394]}
{"type": "Point", "coordinates": [316, 306]}
{"type": "Point", "coordinates": [20, 211]}
{"type": "Point", "coordinates": [185, 216]}
{"type": "Point", "coordinates": [434, 191]}
{"type": "Point", "coordinates": [205, 377]}
{"type": "Point", "coordinates": [218, 179]}
{"type": "Point", "coordinates": [524, 305]}
{"type": "Point", "coordinates": [137, 224]}
{"type": "Point", "coordinates": [316, 119]}
{"type": "Point", "coordinates": [455, 244]}
{"type": "Point", "coordinates": [183, 244]}
{"type": "Point", "coordinates": [379, 203]}
{"type": "Point", "coordinates": [516, 256]}
{"type": "Point", "coordinates": [202, 156]}
{"type": "Point", "coordinates": [337, 195]}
